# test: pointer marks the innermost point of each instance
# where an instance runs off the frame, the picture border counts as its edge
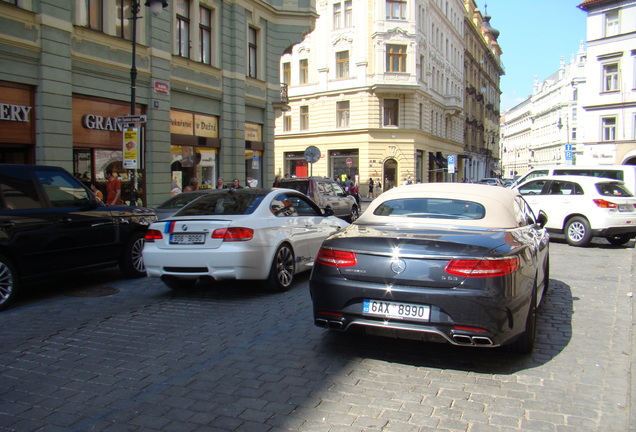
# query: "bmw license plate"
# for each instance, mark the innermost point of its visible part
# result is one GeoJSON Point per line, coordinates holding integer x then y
{"type": "Point", "coordinates": [390, 309]}
{"type": "Point", "coordinates": [187, 239]}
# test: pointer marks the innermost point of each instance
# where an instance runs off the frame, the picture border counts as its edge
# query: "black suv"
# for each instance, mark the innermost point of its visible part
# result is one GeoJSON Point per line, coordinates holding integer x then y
{"type": "Point", "coordinates": [50, 223]}
{"type": "Point", "coordinates": [327, 193]}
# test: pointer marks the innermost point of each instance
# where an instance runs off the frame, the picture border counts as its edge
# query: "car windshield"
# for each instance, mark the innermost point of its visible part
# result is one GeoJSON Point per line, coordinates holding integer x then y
{"type": "Point", "coordinates": [437, 208]}
{"type": "Point", "coordinates": [179, 201]}
{"type": "Point", "coordinates": [612, 189]}
{"type": "Point", "coordinates": [226, 203]}
{"type": "Point", "coordinates": [299, 185]}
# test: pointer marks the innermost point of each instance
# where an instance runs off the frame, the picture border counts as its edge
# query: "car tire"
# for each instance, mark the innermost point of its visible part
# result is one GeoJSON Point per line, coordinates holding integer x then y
{"type": "Point", "coordinates": [132, 263]}
{"type": "Point", "coordinates": [354, 214]}
{"type": "Point", "coordinates": [619, 240]}
{"type": "Point", "coordinates": [8, 282]}
{"type": "Point", "coordinates": [578, 232]}
{"type": "Point", "coordinates": [525, 344]}
{"type": "Point", "coordinates": [178, 284]}
{"type": "Point", "coordinates": [281, 274]}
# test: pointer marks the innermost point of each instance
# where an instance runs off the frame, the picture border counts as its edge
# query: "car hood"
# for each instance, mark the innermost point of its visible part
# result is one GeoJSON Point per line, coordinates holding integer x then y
{"type": "Point", "coordinates": [421, 253]}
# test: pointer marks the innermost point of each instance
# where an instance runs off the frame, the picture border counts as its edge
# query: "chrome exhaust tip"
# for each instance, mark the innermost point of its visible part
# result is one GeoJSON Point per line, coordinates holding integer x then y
{"type": "Point", "coordinates": [468, 340]}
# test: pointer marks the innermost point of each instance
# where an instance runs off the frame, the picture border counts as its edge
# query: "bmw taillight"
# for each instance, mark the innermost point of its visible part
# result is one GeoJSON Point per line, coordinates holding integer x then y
{"type": "Point", "coordinates": [605, 204]}
{"type": "Point", "coordinates": [336, 258]}
{"type": "Point", "coordinates": [482, 267]}
{"type": "Point", "coordinates": [236, 234]}
{"type": "Point", "coordinates": [152, 235]}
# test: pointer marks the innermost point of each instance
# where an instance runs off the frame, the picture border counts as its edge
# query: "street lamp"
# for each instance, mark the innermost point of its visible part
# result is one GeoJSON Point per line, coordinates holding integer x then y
{"type": "Point", "coordinates": [156, 6]}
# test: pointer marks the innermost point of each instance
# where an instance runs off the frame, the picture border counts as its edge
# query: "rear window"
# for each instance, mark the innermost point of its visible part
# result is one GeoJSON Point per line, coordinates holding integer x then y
{"type": "Point", "coordinates": [178, 201]}
{"type": "Point", "coordinates": [434, 208]}
{"type": "Point", "coordinates": [591, 172]}
{"type": "Point", "coordinates": [612, 189]}
{"type": "Point", "coordinates": [299, 185]}
{"type": "Point", "coordinates": [230, 203]}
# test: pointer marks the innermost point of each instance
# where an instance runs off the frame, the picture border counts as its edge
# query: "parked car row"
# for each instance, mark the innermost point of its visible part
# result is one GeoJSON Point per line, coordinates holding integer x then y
{"type": "Point", "coordinates": [465, 264]}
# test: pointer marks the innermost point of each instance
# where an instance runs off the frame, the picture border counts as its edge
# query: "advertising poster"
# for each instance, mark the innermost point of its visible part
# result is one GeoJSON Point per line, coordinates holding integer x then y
{"type": "Point", "coordinates": [131, 148]}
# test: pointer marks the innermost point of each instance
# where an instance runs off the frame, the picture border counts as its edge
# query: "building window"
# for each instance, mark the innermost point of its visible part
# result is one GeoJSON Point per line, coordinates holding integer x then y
{"type": "Point", "coordinates": [391, 112]}
{"type": "Point", "coordinates": [342, 64]}
{"type": "Point", "coordinates": [609, 128]}
{"type": "Point", "coordinates": [252, 52]}
{"type": "Point", "coordinates": [205, 34]}
{"type": "Point", "coordinates": [421, 116]}
{"type": "Point", "coordinates": [304, 117]}
{"type": "Point", "coordinates": [90, 14]}
{"type": "Point", "coordinates": [574, 114]}
{"type": "Point", "coordinates": [610, 77]}
{"type": "Point", "coordinates": [348, 13]}
{"type": "Point", "coordinates": [342, 114]}
{"type": "Point", "coordinates": [124, 23]}
{"type": "Point", "coordinates": [287, 123]}
{"type": "Point", "coordinates": [395, 10]}
{"type": "Point", "coordinates": [612, 26]}
{"type": "Point", "coordinates": [422, 68]}
{"type": "Point", "coordinates": [337, 15]}
{"type": "Point", "coordinates": [573, 134]}
{"type": "Point", "coordinates": [287, 73]}
{"type": "Point", "coordinates": [183, 28]}
{"type": "Point", "coordinates": [304, 71]}
{"type": "Point", "coordinates": [396, 58]}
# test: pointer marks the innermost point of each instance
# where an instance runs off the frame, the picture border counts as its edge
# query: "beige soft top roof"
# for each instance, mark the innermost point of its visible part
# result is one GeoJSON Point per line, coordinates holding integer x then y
{"type": "Point", "coordinates": [498, 202]}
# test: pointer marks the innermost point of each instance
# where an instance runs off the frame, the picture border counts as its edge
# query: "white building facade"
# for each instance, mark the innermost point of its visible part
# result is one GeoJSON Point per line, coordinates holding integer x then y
{"type": "Point", "coordinates": [585, 113]}
{"type": "Point", "coordinates": [378, 87]}
{"type": "Point", "coordinates": [609, 97]}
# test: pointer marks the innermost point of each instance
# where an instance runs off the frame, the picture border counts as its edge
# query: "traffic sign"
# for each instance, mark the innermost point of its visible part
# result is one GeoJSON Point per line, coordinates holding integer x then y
{"type": "Point", "coordinates": [131, 119]}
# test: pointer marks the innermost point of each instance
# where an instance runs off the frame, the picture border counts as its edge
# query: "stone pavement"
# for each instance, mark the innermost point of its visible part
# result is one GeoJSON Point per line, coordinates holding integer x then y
{"type": "Point", "coordinates": [233, 358]}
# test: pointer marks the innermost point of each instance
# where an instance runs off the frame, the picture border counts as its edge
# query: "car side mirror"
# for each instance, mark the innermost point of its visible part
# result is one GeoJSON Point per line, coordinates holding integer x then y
{"type": "Point", "coordinates": [328, 212]}
{"type": "Point", "coordinates": [542, 219]}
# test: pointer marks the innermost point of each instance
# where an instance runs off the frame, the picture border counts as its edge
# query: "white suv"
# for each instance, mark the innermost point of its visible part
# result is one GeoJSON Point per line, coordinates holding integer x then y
{"type": "Point", "coordinates": [583, 207]}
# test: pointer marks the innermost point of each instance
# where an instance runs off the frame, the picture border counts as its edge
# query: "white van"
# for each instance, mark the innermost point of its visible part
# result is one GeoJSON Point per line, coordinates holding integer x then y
{"type": "Point", "coordinates": [626, 173]}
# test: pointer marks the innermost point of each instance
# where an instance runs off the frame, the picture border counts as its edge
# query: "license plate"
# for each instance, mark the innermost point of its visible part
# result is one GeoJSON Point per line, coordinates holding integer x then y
{"type": "Point", "coordinates": [625, 208]}
{"type": "Point", "coordinates": [390, 309]}
{"type": "Point", "coordinates": [187, 239]}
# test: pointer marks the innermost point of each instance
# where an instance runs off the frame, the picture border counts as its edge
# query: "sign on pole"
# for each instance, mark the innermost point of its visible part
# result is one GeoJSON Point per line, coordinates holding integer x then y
{"type": "Point", "coordinates": [131, 119]}
{"type": "Point", "coordinates": [131, 148]}
{"type": "Point", "coordinates": [451, 159]}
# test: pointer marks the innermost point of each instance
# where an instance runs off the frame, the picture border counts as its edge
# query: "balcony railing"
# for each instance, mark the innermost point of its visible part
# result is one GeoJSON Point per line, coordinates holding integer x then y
{"type": "Point", "coordinates": [284, 96]}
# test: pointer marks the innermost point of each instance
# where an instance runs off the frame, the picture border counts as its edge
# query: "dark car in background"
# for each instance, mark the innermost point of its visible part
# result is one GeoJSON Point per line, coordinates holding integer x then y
{"type": "Point", "coordinates": [327, 193]}
{"type": "Point", "coordinates": [51, 223]}
{"type": "Point", "coordinates": [459, 263]}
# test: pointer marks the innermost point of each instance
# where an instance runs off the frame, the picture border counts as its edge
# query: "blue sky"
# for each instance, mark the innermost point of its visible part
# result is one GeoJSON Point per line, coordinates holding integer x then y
{"type": "Point", "coordinates": [534, 36]}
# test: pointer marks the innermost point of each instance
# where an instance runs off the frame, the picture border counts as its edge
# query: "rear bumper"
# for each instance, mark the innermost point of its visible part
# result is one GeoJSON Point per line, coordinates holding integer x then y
{"type": "Point", "coordinates": [612, 231]}
{"type": "Point", "coordinates": [459, 316]}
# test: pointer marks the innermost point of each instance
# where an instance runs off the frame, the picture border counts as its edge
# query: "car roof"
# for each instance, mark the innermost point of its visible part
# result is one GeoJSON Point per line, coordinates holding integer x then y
{"type": "Point", "coordinates": [574, 178]}
{"type": "Point", "coordinates": [498, 203]}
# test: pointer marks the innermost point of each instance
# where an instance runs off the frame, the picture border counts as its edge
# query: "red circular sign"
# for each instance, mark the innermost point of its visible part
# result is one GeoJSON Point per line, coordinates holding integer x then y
{"type": "Point", "coordinates": [349, 162]}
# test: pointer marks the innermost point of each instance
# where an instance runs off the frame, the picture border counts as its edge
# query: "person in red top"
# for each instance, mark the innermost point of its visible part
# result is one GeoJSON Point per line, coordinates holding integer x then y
{"type": "Point", "coordinates": [113, 189]}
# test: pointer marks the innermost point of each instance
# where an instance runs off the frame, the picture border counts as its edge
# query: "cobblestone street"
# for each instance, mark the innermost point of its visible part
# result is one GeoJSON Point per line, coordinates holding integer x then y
{"type": "Point", "coordinates": [233, 358]}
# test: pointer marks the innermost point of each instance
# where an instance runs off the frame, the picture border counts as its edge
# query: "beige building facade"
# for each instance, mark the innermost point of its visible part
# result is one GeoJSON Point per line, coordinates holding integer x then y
{"type": "Point", "coordinates": [378, 87]}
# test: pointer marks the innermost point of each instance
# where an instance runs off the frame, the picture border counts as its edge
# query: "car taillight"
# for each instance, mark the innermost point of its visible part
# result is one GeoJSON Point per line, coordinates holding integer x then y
{"type": "Point", "coordinates": [152, 235]}
{"type": "Point", "coordinates": [233, 234]}
{"type": "Point", "coordinates": [482, 267]}
{"type": "Point", "coordinates": [336, 258]}
{"type": "Point", "coordinates": [605, 204]}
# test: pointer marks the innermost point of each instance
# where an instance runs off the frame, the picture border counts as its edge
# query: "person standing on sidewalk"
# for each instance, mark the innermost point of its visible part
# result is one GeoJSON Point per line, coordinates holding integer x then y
{"type": "Point", "coordinates": [370, 194]}
{"type": "Point", "coordinates": [113, 189]}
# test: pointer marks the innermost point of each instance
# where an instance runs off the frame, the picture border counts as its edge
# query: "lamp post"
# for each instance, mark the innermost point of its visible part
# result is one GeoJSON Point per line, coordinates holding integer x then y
{"type": "Point", "coordinates": [568, 147]}
{"type": "Point", "coordinates": [156, 6]}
